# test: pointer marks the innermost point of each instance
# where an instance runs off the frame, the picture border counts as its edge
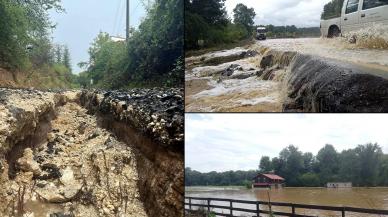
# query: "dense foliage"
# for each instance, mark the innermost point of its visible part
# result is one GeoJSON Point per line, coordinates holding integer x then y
{"type": "Point", "coordinates": [151, 57]}
{"type": "Point", "coordinates": [364, 165]}
{"type": "Point", "coordinates": [207, 24]}
{"type": "Point", "coordinates": [25, 43]}
{"type": "Point", "coordinates": [332, 9]}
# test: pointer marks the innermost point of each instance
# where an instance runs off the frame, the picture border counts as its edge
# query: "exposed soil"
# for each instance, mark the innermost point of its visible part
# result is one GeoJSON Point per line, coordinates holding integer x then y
{"type": "Point", "coordinates": [61, 159]}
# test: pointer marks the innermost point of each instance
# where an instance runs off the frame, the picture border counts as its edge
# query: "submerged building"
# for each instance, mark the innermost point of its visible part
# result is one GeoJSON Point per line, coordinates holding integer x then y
{"type": "Point", "coordinates": [263, 180]}
{"type": "Point", "coordinates": [339, 185]}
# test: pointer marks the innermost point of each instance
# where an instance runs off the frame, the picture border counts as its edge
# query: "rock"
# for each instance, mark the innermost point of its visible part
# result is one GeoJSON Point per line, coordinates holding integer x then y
{"type": "Point", "coordinates": [41, 183]}
{"type": "Point", "coordinates": [266, 61]}
{"type": "Point", "coordinates": [29, 214]}
{"type": "Point", "coordinates": [352, 39]}
{"type": "Point", "coordinates": [67, 177]}
{"type": "Point", "coordinates": [51, 171]}
{"type": "Point", "coordinates": [28, 164]}
{"type": "Point", "coordinates": [82, 127]}
{"type": "Point", "coordinates": [259, 73]}
{"type": "Point", "coordinates": [51, 194]}
{"type": "Point", "coordinates": [51, 137]}
{"type": "Point", "coordinates": [268, 73]}
{"type": "Point", "coordinates": [61, 214]}
{"type": "Point", "coordinates": [251, 53]}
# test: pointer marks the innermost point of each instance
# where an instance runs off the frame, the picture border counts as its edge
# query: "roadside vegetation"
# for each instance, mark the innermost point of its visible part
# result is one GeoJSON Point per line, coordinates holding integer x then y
{"type": "Point", "coordinates": [364, 166]}
{"type": "Point", "coordinates": [207, 24]}
{"type": "Point", "coordinates": [291, 31]}
{"type": "Point", "coordinates": [153, 56]}
{"type": "Point", "coordinates": [26, 50]}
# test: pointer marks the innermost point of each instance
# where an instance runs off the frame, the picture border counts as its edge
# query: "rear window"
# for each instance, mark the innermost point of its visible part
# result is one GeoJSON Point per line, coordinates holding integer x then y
{"type": "Point", "coordinates": [368, 4]}
{"type": "Point", "coordinates": [352, 6]}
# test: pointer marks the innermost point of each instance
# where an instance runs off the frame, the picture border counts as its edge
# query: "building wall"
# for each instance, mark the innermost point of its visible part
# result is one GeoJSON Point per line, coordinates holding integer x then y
{"type": "Point", "coordinates": [339, 185]}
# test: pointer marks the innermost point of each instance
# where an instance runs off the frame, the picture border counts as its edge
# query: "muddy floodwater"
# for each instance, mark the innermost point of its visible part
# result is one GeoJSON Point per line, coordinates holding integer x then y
{"type": "Point", "coordinates": [372, 198]}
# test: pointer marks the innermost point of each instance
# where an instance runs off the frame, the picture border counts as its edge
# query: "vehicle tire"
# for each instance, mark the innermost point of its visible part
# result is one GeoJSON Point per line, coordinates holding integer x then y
{"type": "Point", "coordinates": [334, 32]}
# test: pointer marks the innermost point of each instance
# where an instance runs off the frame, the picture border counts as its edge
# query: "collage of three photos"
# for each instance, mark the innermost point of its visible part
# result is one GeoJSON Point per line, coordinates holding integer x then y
{"type": "Point", "coordinates": [197, 108]}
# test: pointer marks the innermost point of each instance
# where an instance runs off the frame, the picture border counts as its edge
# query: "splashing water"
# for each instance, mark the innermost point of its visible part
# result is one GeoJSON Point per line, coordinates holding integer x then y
{"type": "Point", "coordinates": [372, 37]}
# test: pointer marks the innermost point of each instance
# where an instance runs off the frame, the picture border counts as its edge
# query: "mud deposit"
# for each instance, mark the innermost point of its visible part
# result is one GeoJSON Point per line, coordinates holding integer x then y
{"type": "Point", "coordinates": [303, 75]}
{"type": "Point", "coordinates": [91, 154]}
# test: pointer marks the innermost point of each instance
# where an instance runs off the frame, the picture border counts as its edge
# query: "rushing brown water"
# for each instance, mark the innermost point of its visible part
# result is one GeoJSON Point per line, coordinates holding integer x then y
{"type": "Point", "coordinates": [372, 198]}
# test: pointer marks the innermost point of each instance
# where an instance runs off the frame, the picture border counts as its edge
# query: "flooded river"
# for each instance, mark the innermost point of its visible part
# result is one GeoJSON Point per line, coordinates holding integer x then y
{"type": "Point", "coordinates": [372, 198]}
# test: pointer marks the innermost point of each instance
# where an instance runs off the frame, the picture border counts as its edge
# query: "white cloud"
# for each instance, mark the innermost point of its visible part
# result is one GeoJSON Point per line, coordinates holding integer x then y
{"type": "Point", "coordinates": [301, 13]}
{"type": "Point", "coordinates": [220, 142]}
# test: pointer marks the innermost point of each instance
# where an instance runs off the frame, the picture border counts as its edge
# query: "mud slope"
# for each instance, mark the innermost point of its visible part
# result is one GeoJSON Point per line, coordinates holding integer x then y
{"type": "Point", "coordinates": [108, 158]}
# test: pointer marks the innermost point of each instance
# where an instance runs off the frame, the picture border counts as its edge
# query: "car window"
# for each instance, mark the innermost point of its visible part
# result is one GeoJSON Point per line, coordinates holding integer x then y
{"type": "Point", "coordinates": [368, 4]}
{"type": "Point", "coordinates": [352, 6]}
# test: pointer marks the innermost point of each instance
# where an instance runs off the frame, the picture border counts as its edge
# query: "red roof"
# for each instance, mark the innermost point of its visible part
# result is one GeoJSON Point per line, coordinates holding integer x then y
{"type": "Point", "coordinates": [272, 176]}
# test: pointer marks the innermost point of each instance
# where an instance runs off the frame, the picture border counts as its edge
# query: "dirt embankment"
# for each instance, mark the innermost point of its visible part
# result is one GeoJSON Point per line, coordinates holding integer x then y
{"type": "Point", "coordinates": [112, 157]}
{"type": "Point", "coordinates": [37, 79]}
{"type": "Point", "coordinates": [278, 78]}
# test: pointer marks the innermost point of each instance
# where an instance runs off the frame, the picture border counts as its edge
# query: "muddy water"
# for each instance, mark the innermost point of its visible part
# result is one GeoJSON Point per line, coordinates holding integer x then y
{"type": "Point", "coordinates": [330, 48]}
{"type": "Point", "coordinates": [207, 90]}
{"type": "Point", "coordinates": [373, 198]}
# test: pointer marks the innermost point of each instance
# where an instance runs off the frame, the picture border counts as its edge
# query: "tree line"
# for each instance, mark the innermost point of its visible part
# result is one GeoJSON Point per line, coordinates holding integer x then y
{"type": "Point", "coordinates": [153, 55]}
{"type": "Point", "coordinates": [364, 166]}
{"type": "Point", "coordinates": [291, 31]}
{"type": "Point", "coordinates": [207, 23]}
{"type": "Point", "coordinates": [25, 43]}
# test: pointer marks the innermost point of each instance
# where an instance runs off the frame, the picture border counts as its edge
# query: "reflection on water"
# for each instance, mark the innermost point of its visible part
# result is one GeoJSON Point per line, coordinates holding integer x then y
{"type": "Point", "coordinates": [373, 198]}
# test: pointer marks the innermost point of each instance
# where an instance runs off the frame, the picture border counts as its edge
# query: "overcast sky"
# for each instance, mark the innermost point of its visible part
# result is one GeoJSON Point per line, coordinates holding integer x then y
{"type": "Point", "coordinates": [301, 13]}
{"type": "Point", "coordinates": [84, 19]}
{"type": "Point", "coordinates": [222, 142]}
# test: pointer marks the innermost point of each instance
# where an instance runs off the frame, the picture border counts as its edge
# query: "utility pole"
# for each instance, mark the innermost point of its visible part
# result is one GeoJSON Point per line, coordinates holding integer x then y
{"type": "Point", "coordinates": [128, 21]}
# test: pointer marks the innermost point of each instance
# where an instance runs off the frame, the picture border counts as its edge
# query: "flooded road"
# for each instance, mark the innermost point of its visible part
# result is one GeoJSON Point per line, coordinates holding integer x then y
{"type": "Point", "coordinates": [372, 198]}
{"type": "Point", "coordinates": [288, 75]}
{"type": "Point", "coordinates": [331, 48]}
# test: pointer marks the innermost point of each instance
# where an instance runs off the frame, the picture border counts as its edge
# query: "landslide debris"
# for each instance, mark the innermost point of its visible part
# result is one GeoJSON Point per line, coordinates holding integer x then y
{"type": "Point", "coordinates": [58, 158]}
{"type": "Point", "coordinates": [157, 115]}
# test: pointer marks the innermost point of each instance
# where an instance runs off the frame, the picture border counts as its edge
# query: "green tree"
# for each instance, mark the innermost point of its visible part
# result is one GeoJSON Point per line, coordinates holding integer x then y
{"type": "Point", "coordinates": [309, 180]}
{"type": "Point", "coordinates": [327, 162]}
{"type": "Point", "coordinates": [383, 172]}
{"type": "Point", "coordinates": [293, 164]}
{"type": "Point", "coordinates": [265, 164]}
{"type": "Point", "coordinates": [369, 157]}
{"type": "Point", "coordinates": [244, 16]}
{"type": "Point", "coordinates": [349, 167]}
{"type": "Point", "coordinates": [66, 58]}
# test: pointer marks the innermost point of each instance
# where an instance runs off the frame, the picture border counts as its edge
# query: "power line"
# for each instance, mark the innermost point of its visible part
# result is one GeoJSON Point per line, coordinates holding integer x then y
{"type": "Point", "coordinates": [121, 18]}
{"type": "Point", "coordinates": [116, 17]}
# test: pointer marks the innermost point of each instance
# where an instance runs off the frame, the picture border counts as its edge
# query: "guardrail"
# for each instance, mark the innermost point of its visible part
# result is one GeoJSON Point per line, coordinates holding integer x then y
{"type": "Point", "coordinates": [257, 211]}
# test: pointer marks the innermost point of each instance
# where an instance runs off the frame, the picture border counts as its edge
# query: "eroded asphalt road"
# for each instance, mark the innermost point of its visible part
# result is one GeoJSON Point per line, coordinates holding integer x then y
{"type": "Point", "coordinates": [373, 61]}
{"type": "Point", "coordinates": [233, 81]}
